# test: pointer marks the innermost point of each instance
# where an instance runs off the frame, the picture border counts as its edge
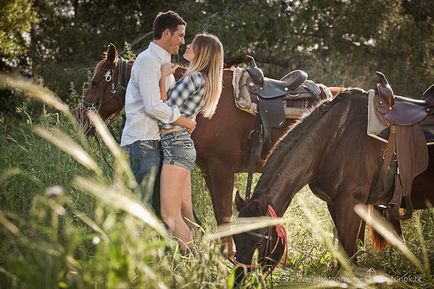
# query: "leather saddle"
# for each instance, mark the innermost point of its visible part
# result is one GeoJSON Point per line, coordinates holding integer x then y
{"type": "Point", "coordinates": [406, 152]}
{"type": "Point", "coordinates": [271, 95]}
{"type": "Point", "coordinates": [269, 88]}
{"type": "Point", "coordinates": [402, 110]}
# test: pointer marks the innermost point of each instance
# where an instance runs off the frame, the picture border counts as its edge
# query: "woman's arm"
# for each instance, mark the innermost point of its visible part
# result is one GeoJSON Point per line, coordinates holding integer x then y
{"type": "Point", "coordinates": [166, 70]}
{"type": "Point", "coordinates": [163, 90]}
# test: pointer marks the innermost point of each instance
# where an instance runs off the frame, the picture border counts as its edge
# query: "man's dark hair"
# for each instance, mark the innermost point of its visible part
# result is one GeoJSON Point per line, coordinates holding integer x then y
{"type": "Point", "coordinates": [166, 20]}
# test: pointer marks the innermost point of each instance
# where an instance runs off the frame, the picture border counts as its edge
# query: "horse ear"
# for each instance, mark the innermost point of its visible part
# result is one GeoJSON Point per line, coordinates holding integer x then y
{"type": "Point", "coordinates": [111, 53]}
{"type": "Point", "coordinates": [239, 202]}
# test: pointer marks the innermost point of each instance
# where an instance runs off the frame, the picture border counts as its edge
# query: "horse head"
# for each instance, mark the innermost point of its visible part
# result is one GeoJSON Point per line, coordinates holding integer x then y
{"type": "Point", "coordinates": [105, 93]}
{"type": "Point", "coordinates": [268, 242]}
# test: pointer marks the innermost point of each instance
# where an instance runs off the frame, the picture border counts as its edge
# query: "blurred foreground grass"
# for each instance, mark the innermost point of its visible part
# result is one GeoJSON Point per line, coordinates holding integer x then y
{"type": "Point", "coordinates": [68, 220]}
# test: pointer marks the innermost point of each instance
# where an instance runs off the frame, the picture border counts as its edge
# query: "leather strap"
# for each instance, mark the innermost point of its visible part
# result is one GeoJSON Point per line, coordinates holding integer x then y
{"type": "Point", "coordinates": [256, 142]}
{"type": "Point", "coordinates": [388, 154]}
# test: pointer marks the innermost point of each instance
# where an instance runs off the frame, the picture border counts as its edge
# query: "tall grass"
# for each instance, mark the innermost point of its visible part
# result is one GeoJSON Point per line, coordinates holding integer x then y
{"type": "Point", "coordinates": [69, 220]}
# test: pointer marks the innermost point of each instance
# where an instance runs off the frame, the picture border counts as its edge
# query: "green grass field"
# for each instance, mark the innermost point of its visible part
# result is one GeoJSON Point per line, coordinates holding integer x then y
{"type": "Point", "coordinates": [68, 219]}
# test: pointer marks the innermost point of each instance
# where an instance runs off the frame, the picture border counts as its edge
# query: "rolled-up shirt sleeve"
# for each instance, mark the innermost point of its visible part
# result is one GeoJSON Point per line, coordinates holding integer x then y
{"type": "Point", "coordinates": [148, 80]}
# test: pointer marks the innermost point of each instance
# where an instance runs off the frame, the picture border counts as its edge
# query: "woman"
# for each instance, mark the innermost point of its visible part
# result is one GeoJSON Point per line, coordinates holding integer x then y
{"type": "Point", "coordinates": [197, 91]}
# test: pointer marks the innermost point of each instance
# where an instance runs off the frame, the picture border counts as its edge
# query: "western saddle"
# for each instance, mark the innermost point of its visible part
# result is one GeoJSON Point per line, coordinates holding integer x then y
{"type": "Point", "coordinates": [270, 95]}
{"type": "Point", "coordinates": [406, 154]}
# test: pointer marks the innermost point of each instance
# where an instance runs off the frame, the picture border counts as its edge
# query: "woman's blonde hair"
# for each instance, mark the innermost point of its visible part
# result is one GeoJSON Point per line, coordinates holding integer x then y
{"type": "Point", "coordinates": [208, 59]}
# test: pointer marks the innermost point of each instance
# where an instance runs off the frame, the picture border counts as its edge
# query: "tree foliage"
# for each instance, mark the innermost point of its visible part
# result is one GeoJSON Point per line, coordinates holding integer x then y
{"type": "Point", "coordinates": [16, 19]}
{"type": "Point", "coordinates": [340, 42]}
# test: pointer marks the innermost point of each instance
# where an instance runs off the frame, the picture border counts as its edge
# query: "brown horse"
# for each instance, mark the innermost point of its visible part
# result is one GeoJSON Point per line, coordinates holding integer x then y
{"type": "Point", "coordinates": [105, 93]}
{"type": "Point", "coordinates": [329, 150]}
{"type": "Point", "coordinates": [221, 142]}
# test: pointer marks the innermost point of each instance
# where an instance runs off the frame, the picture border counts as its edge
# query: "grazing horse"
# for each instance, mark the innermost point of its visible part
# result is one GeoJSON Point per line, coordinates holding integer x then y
{"type": "Point", "coordinates": [221, 142]}
{"type": "Point", "coordinates": [330, 150]}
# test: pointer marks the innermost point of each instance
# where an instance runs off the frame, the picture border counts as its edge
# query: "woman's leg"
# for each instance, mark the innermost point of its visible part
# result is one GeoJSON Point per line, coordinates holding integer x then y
{"type": "Point", "coordinates": [186, 206]}
{"type": "Point", "coordinates": [171, 191]}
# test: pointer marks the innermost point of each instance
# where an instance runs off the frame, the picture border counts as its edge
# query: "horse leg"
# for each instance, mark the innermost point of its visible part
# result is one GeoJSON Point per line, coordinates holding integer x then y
{"type": "Point", "coordinates": [220, 181]}
{"type": "Point", "coordinates": [332, 211]}
{"type": "Point", "coordinates": [348, 225]}
{"type": "Point", "coordinates": [361, 234]}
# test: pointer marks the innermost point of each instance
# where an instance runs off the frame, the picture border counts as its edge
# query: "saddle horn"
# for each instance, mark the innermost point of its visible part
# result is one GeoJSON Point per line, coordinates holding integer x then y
{"type": "Point", "coordinates": [383, 79]}
{"type": "Point", "coordinates": [251, 60]}
{"type": "Point", "coordinates": [255, 72]}
{"type": "Point", "coordinates": [428, 96]}
{"type": "Point", "coordinates": [385, 91]}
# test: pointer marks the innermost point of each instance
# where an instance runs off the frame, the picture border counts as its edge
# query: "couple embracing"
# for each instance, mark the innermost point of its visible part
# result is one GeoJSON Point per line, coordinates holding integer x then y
{"type": "Point", "coordinates": [160, 117]}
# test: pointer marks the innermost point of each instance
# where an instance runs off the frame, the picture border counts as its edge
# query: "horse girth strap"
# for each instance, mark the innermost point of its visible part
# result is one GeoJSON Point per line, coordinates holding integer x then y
{"type": "Point", "coordinates": [388, 154]}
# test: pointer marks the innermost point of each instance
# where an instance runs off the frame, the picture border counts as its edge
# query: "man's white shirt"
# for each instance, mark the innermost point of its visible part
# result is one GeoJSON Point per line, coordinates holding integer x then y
{"type": "Point", "coordinates": [143, 104]}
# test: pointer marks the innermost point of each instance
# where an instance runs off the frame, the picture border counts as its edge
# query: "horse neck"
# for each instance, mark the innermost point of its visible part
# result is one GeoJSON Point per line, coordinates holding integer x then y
{"type": "Point", "coordinates": [295, 159]}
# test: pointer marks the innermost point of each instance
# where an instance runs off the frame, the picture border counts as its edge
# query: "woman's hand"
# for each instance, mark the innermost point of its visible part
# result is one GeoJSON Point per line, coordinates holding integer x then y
{"type": "Point", "coordinates": [192, 126]}
{"type": "Point", "coordinates": [168, 69]}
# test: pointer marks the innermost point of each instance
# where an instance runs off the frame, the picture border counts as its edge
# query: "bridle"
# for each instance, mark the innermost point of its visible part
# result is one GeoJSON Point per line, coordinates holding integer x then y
{"type": "Point", "coordinates": [268, 248]}
{"type": "Point", "coordinates": [118, 88]}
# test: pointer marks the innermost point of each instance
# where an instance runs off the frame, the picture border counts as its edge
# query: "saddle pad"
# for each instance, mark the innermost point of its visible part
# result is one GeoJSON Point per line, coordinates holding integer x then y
{"type": "Point", "coordinates": [241, 93]}
{"type": "Point", "coordinates": [378, 130]}
{"type": "Point", "coordinates": [375, 126]}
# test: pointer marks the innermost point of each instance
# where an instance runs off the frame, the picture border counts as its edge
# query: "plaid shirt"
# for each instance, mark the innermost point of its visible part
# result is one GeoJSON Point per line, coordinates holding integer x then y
{"type": "Point", "coordinates": [187, 95]}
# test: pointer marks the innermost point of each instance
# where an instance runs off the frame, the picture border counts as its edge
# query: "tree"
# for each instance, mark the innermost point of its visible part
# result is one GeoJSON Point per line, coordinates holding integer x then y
{"type": "Point", "coordinates": [336, 42]}
{"type": "Point", "coordinates": [16, 19]}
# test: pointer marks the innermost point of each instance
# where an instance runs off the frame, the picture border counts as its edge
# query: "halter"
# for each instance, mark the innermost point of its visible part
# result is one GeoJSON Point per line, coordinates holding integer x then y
{"type": "Point", "coordinates": [281, 236]}
{"type": "Point", "coordinates": [116, 89]}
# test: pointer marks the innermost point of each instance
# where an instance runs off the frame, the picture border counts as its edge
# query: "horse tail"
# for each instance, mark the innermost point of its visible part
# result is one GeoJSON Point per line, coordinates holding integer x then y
{"type": "Point", "coordinates": [377, 241]}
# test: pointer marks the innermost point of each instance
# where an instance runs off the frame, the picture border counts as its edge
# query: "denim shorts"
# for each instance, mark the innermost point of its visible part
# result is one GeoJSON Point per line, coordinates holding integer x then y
{"type": "Point", "coordinates": [178, 149]}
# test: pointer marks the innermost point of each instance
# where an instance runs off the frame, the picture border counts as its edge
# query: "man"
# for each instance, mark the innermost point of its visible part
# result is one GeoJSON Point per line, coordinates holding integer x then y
{"type": "Point", "coordinates": [144, 108]}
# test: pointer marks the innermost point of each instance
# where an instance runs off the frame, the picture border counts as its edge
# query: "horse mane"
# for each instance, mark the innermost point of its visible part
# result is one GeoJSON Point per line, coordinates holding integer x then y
{"type": "Point", "coordinates": [287, 143]}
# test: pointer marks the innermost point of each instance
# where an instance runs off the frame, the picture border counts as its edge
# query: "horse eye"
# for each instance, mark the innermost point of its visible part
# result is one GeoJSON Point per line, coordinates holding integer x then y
{"type": "Point", "coordinates": [94, 83]}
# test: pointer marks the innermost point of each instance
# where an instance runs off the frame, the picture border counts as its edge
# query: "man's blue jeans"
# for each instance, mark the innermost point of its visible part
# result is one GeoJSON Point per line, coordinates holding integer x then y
{"type": "Point", "coordinates": [145, 160]}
